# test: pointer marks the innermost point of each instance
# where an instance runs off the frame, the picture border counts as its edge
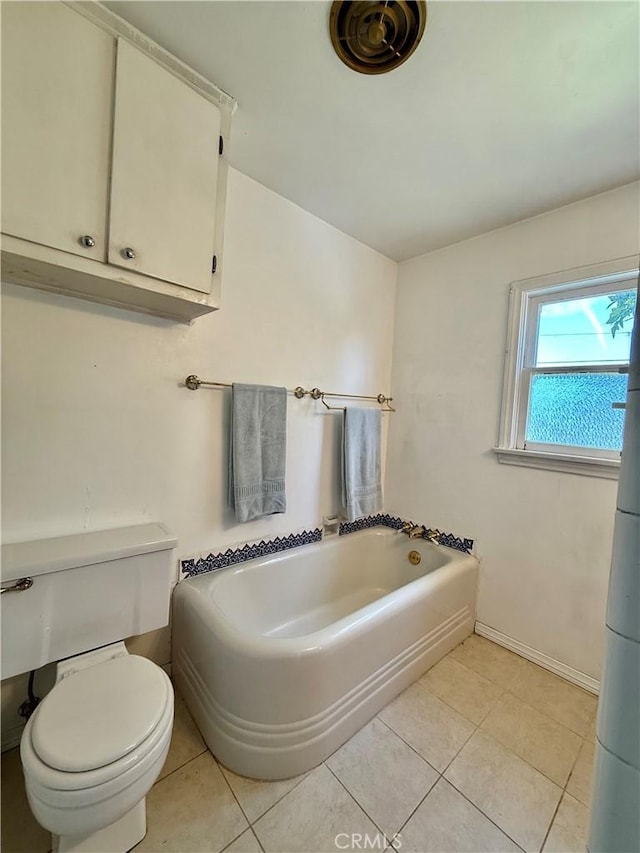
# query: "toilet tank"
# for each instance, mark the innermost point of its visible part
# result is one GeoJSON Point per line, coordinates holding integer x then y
{"type": "Point", "coordinates": [88, 590]}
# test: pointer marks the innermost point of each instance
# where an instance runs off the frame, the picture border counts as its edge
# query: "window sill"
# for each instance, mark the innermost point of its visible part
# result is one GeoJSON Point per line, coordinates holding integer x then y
{"type": "Point", "coordinates": [588, 466]}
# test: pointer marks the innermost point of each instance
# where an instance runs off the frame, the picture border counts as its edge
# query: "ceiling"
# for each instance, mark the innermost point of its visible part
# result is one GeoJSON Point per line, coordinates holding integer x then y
{"type": "Point", "coordinates": [505, 110]}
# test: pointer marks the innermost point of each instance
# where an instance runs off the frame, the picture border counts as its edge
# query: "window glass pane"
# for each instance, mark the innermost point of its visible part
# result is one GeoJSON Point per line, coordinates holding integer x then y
{"type": "Point", "coordinates": [575, 409]}
{"type": "Point", "coordinates": [585, 331]}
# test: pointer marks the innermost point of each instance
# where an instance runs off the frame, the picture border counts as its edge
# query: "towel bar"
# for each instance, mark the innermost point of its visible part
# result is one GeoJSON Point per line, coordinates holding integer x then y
{"type": "Point", "coordinates": [194, 382]}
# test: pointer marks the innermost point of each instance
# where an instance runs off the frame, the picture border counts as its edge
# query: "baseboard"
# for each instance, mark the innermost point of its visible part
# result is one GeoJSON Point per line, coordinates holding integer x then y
{"type": "Point", "coordinates": [546, 662]}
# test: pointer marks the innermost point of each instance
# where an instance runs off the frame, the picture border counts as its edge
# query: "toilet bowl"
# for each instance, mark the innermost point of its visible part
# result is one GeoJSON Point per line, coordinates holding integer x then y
{"type": "Point", "coordinates": [94, 747]}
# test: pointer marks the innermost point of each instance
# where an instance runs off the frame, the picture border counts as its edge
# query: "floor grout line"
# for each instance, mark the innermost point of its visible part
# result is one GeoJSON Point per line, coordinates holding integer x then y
{"type": "Point", "coordinates": [449, 705]}
{"type": "Point", "coordinates": [524, 760]}
{"type": "Point", "coordinates": [477, 728]}
{"type": "Point", "coordinates": [412, 748]}
{"type": "Point", "coordinates": [476, 671]}
{"type": "Point", "coordinates": [573, 767]}
{"type": "Point", "coordinates": [180, 767]}
{"type": "Point", "coordinates": [362, 809]}
{"type": "Point", "coordinates": [233, 794]}
{"type": "Point", "coordinates": [562, 790]}
{"type": "Point", "coordinates": [508, 691]}
{"type": "Point", "coordinates": [442, 776]}
{"type": "Point", "coordinates": [280, 799]}
{"type": "Point", "coordinates": [481, 674]}
{"type": "Point", "coordinates": [355, 734]}
{"type": "Point", "coordinates": [399, 832]}
{"type": "Point", "coordinates": [547, 715]}
{"type": "Point", "coordinates": [527, 762]}
{"type": "Point", "coordinates": [233, 840]}
{"type": "Point", "coordinates": [224, 776]}
{"type": "Point", "coordinates": [255, 835]}
{"type": "Point", "coordinates": [460, 750]}
{"type": "Point", "coordinates": [206, 749]}
{"type": "Point", "coordinates": [551, 822]}
{"type": "Point", "coordinates": [484, 814]}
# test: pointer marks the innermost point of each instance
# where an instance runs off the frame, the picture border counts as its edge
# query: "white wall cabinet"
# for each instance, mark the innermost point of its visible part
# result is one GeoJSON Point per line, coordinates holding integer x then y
{"type": "Point", "coordinates": [57, 88]}
{"type": "Point", "coordinates": [113, 186]}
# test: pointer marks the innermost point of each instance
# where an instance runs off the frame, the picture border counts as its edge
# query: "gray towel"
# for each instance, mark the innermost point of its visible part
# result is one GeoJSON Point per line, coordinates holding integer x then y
{"type": "Point", "coordinates": [258, 451]}
{"type": "Point", "coordinates": [361, 480]}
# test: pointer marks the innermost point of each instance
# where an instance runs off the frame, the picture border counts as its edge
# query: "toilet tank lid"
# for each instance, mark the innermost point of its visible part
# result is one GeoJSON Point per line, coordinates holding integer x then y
{"type": "Point", "coordinates": [41, 556]}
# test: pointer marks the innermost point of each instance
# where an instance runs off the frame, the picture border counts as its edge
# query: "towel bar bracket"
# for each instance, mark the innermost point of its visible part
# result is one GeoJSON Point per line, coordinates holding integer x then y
{"type": "Point", "coordinates": [192, 382]}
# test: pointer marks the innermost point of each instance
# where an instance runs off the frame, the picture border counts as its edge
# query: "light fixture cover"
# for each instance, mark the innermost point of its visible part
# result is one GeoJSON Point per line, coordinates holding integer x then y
{"type": "Point", "coordinates": [375, 37]}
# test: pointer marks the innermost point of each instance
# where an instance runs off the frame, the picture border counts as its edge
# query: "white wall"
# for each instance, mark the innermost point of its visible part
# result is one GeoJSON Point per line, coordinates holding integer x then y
{"type": "Point", "coordinates": [97, 431]}
{"type": "Point", "coordinates": [544, 538]}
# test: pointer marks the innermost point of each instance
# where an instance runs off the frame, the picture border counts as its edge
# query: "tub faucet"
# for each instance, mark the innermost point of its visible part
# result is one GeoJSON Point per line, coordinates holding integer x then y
{"type": "Point", "coordinates": [432, 536]}
{"type": "Point", "coordinates": [413, 531]}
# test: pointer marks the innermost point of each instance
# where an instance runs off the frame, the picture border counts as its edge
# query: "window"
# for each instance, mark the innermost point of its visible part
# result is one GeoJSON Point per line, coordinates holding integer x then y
{"type": "Point", "coordinates": [566, 369]}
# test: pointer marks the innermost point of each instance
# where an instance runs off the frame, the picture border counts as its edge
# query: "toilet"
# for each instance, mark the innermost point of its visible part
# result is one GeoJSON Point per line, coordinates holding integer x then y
{"type": "Point", "coordinates": [96, 743]}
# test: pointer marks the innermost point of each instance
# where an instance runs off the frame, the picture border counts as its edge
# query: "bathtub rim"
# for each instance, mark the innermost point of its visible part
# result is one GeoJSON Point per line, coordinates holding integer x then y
{"type": "Point", "coordinates": [316, 641]}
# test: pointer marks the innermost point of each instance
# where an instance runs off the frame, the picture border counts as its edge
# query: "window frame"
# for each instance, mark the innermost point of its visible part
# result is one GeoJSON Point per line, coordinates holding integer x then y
{"type": "Point", "coordinates": [525, 297]}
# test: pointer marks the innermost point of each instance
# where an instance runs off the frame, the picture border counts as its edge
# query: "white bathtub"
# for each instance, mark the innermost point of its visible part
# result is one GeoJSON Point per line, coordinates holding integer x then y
{"type": "Point", "coordinates": [283, 658]}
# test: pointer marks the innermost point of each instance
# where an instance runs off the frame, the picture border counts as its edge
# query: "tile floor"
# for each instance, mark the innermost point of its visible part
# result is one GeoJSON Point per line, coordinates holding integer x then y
{"type": "Point", "coordinates": [486, 752]}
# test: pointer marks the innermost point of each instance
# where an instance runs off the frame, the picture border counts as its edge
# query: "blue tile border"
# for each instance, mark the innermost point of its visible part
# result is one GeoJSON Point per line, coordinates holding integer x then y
{"type": "Point", "coordinates": [231, 557]}
{"type": "Point", "coordinates": [386, 520]}
{"type": "Point", "coordinates": [379, 520]}
{"type": "Point", "coordinates": [451, 541]}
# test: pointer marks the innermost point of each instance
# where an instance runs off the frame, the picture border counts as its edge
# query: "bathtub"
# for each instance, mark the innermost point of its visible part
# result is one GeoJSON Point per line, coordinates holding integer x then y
{"type": "Point", "coordinates": [285, 657]}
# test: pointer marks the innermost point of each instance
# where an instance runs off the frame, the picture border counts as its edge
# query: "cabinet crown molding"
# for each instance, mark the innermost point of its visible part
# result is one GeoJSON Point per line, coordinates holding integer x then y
{"type": "Point", "coordinates": [119, 28]}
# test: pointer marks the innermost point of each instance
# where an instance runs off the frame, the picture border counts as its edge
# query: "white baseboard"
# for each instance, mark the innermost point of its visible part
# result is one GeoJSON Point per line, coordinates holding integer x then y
{"type": "Point", "coordinates": [553, 665]}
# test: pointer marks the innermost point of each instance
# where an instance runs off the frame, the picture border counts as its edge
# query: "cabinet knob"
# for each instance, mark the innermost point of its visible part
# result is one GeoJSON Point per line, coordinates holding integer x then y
{"type": "Point", "coordinates": [87, 241]}
{"type": "Point", "coordinates": [128, 253]}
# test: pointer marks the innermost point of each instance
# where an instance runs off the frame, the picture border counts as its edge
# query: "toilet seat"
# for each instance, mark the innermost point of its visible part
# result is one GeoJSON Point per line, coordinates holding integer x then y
{"type": "Point", "coordinates": [37, 740]}
{"type": "Point", "coordinates": [98, 715]}
{"type": "Point", "coordinates": [78, 802]}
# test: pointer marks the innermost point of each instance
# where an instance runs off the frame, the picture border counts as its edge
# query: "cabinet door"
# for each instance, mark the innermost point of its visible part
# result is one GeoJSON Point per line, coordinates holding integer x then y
{"type": "Point", "coordinates": [164, 174]}
{"type": "Point", "coordinates": [57, 92]}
